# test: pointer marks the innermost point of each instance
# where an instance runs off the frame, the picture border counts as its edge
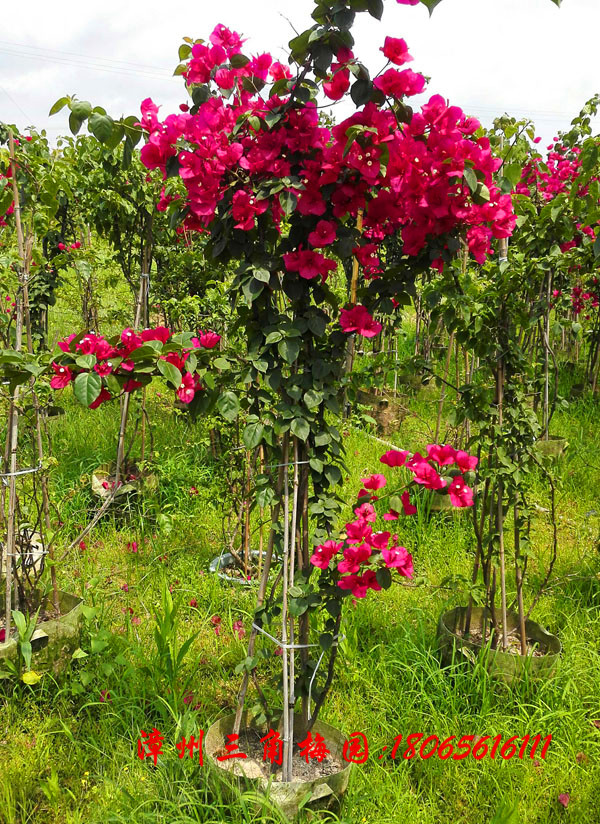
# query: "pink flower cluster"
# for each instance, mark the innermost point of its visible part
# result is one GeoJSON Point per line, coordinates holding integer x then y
{"type": "Point", "coordinates": [71, 248]}
{"type": "Point", "coordinates": [117, 358]}
{"type": "Point", "coordinates": [554, 174]}
{"type": "Point", "coordinates": [585, 299]}
{"type": "Point", "coordinates": [364, 550]}
{"type": "Point", "coordinates": [239, 152]}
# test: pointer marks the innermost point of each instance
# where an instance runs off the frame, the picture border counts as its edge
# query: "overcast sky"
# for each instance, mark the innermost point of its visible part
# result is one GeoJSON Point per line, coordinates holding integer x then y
{"type": "Point", "coordinates": [524, 57]}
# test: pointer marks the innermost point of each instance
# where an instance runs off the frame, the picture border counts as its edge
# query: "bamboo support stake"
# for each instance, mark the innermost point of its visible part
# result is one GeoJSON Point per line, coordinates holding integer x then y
{"type": "Point", "coordinates": [246, 531]}
{"type": "Point", "coordinates": [262, 589]}
{"type": "Point", "coordinates": [519, 583]}
{"type": "Point", "coordinates": [546, 410]}
{"type": "Point", "coordinates": [287, 744]}
{"type": "Point", "coordinates": [292, 697]}
{"type": "Point", "coordinates": [500, 510]}
{"type": "Point", "coordinates": [12, 491]}
{"type": "Point", "coordinates": [443, 390]}
{"type": "Point", "coordinates": [353, 292]}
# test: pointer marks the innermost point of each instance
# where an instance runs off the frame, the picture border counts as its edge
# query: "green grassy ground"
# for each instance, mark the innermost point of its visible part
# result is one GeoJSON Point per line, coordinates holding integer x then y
{"type": "Point", "coordinates": [67, 755]}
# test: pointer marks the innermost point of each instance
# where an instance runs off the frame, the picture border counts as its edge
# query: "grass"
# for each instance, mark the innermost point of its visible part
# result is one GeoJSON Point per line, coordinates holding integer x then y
{"type": "Point", "coordinates": [67, 756]}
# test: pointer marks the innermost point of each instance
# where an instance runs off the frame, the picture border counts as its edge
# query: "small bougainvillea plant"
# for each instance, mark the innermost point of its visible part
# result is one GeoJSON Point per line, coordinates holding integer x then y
{"type": "Point", "coordinates": [102, 369]}
{"type": "Point", "coordinates": [364, 558]}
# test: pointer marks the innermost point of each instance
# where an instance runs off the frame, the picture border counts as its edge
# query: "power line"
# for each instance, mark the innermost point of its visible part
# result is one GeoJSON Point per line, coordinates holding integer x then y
{"type": "Point", "coordinates": [81, 65]}
{"type": "Point", "coordinates": [10, 97]}
{"type": "Point", "coordinates": [84, 56]}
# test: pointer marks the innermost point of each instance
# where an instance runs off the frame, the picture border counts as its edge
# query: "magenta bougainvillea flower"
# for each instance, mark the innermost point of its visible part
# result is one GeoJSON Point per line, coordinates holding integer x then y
{"type": "Point", "coordinates": [442, 455]}
{"type": "Point", "coordinates": [399, 558]}
{"type": "Point", "coordinates": [323, 553]}
{"type": "Point", "coordinates": [397, 84]}
{"type": "Point", "coordinates": [466, 462]}
{"type": "Point", "coordinates": [396, 50]}
{"type": "Point", "coordinates": [354, 557]}
{"type": "Point", "coordinates": [426, 475]}
{"type": "Point", "coordinates": [338, 83]}
{"type": "Point", "coordinates": [374, 482]}
{"type": "Point", "coordinates": [460, 494]}
{"type": "Point", "coordinates": [188, 387]}
{"type": "Point", "coordinates": [208, 339]}
{"type": "Point", "coordinates": [216, 622]}
{"type": "Point", "coordinates": [62, 376]}
{"type": "Point", "coordinates": [309, 264]}
{"type": "Point", "coordinates": [238, 628]}
{"type": "Point", "coordinates": [359, 320]}
{"type": "Point", "coordinates": [366, 512]}
{"type": "Point", "coordinates": [409, 509]}
{"type": "Point", "coordinates": [394, 457]}
{"type": "Point", "coordinates": [324, 234]}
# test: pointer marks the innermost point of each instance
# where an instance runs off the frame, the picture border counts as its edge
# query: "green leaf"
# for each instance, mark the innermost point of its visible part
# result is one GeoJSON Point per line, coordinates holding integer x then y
{"type": "Point", "coordinates": [79, 653]}
{"type": "Point", "coordinates": [431, 4]}
{"type": "Point", "coordinates": [170, 372]}
{"type": "Point", "coordinates": [74, 123]}
{"type": "Point", "coordinates": [316, 465]}
{"type": "Point", "coordinates": [361, 92]}
{"type": "Point", "coordinates": [101, 126]}
{"type": "Point", "coordinates": [289, 349]}
{"type": "Point", "coordinates": [597, 246]}
{"type": "Point", "coordinates": [300, 428]}
{"type": "Point", "coordinates": [263, 275]}
{"type": "Point", "coordinates": [264, 497]}
{"type": "Point", "coordinates": [87, 387]}
{"type": "Point", "coordinates": [313, 399]}
{"type": "Point", "coordinates": [60, 104]}
{"type": "Point", "coordinates": [238, 61]}
{"type": "Point", "coordinates": [252, 435]}
{"type": "Point", "coordinates": [288, 201]}
{"type": "Point", "coordinates": [375, 8]}
{"type": "Point", "coordinates": [81, 109]}
{"type": "Point", "coordinates": [482, 195]}
{"type": "Point", "coordinates": [98, 644]}
{"type": "Point", "coordinates": [326, 640]}
{"type": "Point", "coordinates": [89, 613]}
{"type": "Point", "coordinates": [384, 577]}
{"type": "Point", "coordinates": [317, 325]}
{"type": "Point", "coordinates": [20, 621]}
{"type": "Point", "coordinates": [471, 179]}
{"type": "Point", "coordinates": [229, 406]}
{"type": "Point", "coordinates": [86, 361]}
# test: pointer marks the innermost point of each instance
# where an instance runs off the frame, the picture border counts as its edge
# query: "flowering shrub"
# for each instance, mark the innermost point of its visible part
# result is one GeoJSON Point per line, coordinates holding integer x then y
{"type": "Point", "coordinates": [365, 559]}
{"type": "Point", "coordinates": [247, 161]}
{"type": "Point", "coordinates": [101, 369]}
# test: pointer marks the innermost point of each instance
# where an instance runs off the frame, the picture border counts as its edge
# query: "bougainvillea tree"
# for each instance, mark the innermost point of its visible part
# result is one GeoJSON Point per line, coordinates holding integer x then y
{"type": "Point", "coordinates": [286, 199]}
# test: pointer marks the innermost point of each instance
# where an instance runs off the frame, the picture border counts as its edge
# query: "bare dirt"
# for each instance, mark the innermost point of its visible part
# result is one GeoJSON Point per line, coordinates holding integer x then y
{"type": "Point", "coordinates": [534, 648]}
{"type": "Point", "coordinates": [255, 767]}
